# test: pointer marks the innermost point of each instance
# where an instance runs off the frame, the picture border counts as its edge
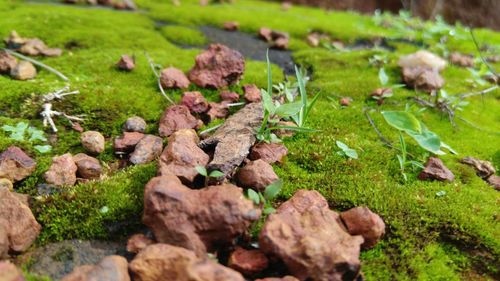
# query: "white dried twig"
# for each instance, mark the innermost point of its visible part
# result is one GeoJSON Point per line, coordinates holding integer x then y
{"type": "Point", "coordinates": [154, 67]}
{"type": "Point", "coordinates": [48, 113]}
{"type": "Point", "coordinates": [59, 94]}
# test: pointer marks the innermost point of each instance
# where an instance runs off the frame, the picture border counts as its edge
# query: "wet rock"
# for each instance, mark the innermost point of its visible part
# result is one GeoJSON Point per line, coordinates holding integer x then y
{"type": "Point", "coordinates": [345, 101]}
{"type": "Point", "coordinates": [175, 118]}
{"type": "Point", "coordinates": [217, 67]}
{"type": "Point", "coordinates": [127, 142]}
{"type": "Point", "coordinates": [252, 93]}
{"type": "Point", "coordinates": [135, 124]}
{"type": "Point", "coordinates": [30, 46]}
{"type": "Point", "coordinates": [422, 59]}
{"type": "Point", "coordinates": [147, 150]}
{"type": "Point", "coordinates": [111, 268]}
{"type": "Point", "coordinates": [461, 59]}
{"type": "Point", "coordinates": [436, 170]}
{"type": "Point", "coordinates": [286, 278]}
{"type": "Point", "coordinates": [268, 152]}
{"type": "Point", "coordinates": [7, 62]}
{"type": "Point", "coordinates": [9, 272]}
{"type": "Point", "coordinates": [231, 25]}
{"type": "Point", "coordinates": [248, 262]}
{"type": "Point", "coordinates": [88, 167]}
{"type": "Point", "coordinates": [277, 39]}
{"type": "Point", "coordinates": [138, 242]}
{"type": "Point", "coordinates": [256, 175]}
{"type": "Point", "coordinates": [362, 221]}
{"type": "Point", "coordinates": [309, 238]}
{"type": "Point", "coordinates": [163, 262]}
{"type": "Point", "coordinates": [17, 221]}
{"type": "Point", "coordinates": [217, 111]}
{"type": "Point", "coordinates": [229, 96]}
{"type": "Point", "coordinates": [195, 101]}
{"type": "Point", "coordinates": [93, 142]}
{"type": "Point", "coordinates": [421, 78]}
{"type": "Point", "coordinates": [173, 78]}
{"type": "Point", "coordinates": [234, 139]}
{"type": "Point", "coordinates": [62, 171]}
{"type": "Point", "coordinates": [182, 155]}
{"type": "Point", "coordinates": [15, 165]}
{"type": "Point", "coordinates": [484, 169]}
{"type": "Point", "coordinates": [24, 70]}
{"type": "Point", "coordinates": [494, 181]}
{"type": "Point", "coordinates": [198, 220]}
{"type": "Point", "coordinates": [126, 63]}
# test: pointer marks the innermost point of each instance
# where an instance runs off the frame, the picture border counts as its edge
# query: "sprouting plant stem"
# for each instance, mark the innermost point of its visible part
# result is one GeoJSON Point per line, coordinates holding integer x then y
{"type": "Point", "coordinates": [33, 61]}
{"type": "Point", "coordinates": [153, 68]}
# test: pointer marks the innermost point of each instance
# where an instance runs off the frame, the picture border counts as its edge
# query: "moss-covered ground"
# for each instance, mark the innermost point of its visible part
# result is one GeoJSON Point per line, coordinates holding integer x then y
{"type": "Point", "coordinates": [429, 237]}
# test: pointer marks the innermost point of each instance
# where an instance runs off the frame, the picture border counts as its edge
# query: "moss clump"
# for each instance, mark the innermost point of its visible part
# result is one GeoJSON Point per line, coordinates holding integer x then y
{"type": "Point", "coordinates": [182, 35]}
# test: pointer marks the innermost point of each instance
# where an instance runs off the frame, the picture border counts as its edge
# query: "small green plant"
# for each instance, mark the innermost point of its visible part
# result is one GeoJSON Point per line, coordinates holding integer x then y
{"type": "Point", "coordinates": [265, 199]}
{"type": "Point", "coordinates": [213, 174]}
{"type": "Point", "coordinates": [23, 132]}
{"type": "Point", "coordinates": [403, 159]}
{"type": "Point", "coordinates": [346, 151]}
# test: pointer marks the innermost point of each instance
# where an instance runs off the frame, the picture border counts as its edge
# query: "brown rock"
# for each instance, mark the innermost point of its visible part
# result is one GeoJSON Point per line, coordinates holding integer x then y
{"type": "Point", "coordinates": [110, 268]}
{"type": "Point", "coordinates": [285, 6]}
{"type": "Point", "coordinates": [269, 152]}
{"type": "Point", "coordinates": [484, 169]}
{"type": "Point", "coordinates": [217, 67]}
{"type": "Point", "coordinates": [195, 101]}
{"type": "Point", "coordinates": [9, 272]}
{"type": "Point", "coordinates": [248, 262]}
{"type": "Point", "coordinates": [266, 34]}
{"type": "Point", "coordinates": [7, 62]}
{"type": "Point", "coordinates": [345, 101]}
{"type": "Point", "coordinates": [62, 171]}
{"type": "Point", "coordinates": [422, 59]}
{"type": "Point", "coordinates": [380, 94]}
{"type": "Point", "coordinates": [436, 170]}
{"type": "Point", "coordinates": [126, 63]}
{"type": "Point", "coordinates": [88, 167]}
{"type": "Point", "coordinates": [284, 133]}
{"type": "Point", "coordinates": [277, 39]}
{"type": "Point", "coordinates": [175, 118]}
{"type": "Point", "coordinates": [93, 142]}
{"type": "Point", "coordinates": [256, 175]}
{"type": "Point", "coordinates": [308, 237]}
{"type": "Point", "coordinates": [147, 150]}
{"type": "Point", "coordinates": [199, 220]}
{"type": "Point", "coordinates": [229, 96]}
{"type": "Point", "coordinates": [135, 124]}
{"type": "Point", "coordinates": [252, 93]}
{"type": "Point", "coordinates": [315, 38]}
{"type": "Point", "coordinates": [4, 240]}
{"type": "Point", "coordinates": [234, 139]}
{"type": "Point", "coordinates": [461, 60]}
{"type": "Point", "coordinates": [182, 155]}
{"type": "Point", "coordinates": [362, 221]}
{"type": "Point", "coordinates": [24, 70]}
{"type": "Point", "coordinates": [17, 221]}
{"type": "Point", "coordinates": [494, 181]}
{"type": "Point", "coordinates": [231, 25]}
{"type": "Point", "coordinates": [30, 46]}
{"type": "Point", "coordinates": [173, 78]}
{"type": "Point", "coordinates": [137, 243]}
{"type": "Point", "coordinates": [7, 184]}
{"type": "Point", "coordinates": [286, 278]}
{"type": "Point", "coordinates": [127, 142]}
{"type": "Point", "coordinates": [217, 111]}
{"type": "Point", "coordinates": [15, 165]}
{"type": "Point", "coordinates": [163, 262]}
{"type": "Point", "coordinates": [281, 42]}
{"type": "Point", "coordinates": [424, 79]}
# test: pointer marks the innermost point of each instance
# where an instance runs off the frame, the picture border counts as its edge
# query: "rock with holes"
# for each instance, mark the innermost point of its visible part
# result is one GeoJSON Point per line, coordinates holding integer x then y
{"type": "Point", "coordinates": [216, 111]}
{"type": "Point", "coordinates": [217, 67]}
{"type": "Point", "coordinates": [362, 221]}
{"type": "Point", "coordinates": [436, 170]}
{"type": "Point", "coordinates": [163, 262]}
{"type": "Point", "coordinates": [62, 172]}
{"type": "Point", "coordinates": [88, 167]}
{"type": "Point", "coordinates": [173, 78]}
{"type": "Point", "coordinates": [248, 262]}
{"type": "Point", "coordinates": [229, 96]}
{"type": "Point", "coordinates": [231, 25]}
{"type": "Point", "coordinates": [269, 152]}
{"type": "Point", "coordinates": [93, 142]}
{"type": "Point", "coordinates": [24, 70]}
{"type": "Point", "coordinates": [484, 169]}
{"type": "Point", "coordinates": [15, 164]}
{"type": "Point", "coordinates": [195, 101]}
{"type": "Point", "coordinates": [310, 239]}
{"type": "Point", "coordinates": [175, 118]}
{"type": "Point", "coordinates": [110, 268]}
{"type": "Point", "coordinates": [199, 220]}
{"type": "Point", "coordinates": [256, 175]}
{"type": "Point", "coordinates": [182, 155]}
{"type": "Point", "coordinates": [147, 150]}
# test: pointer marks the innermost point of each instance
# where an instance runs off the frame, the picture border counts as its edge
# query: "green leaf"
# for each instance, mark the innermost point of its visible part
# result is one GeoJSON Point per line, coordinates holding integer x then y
{"type": "Point", "coordinates": [17, 136]}
{"type": "Point", "coordinates": [294, 128]}
{"type": "Point", "coordinates": [346, 150]}
{"type": "Point", "coordinates": [216, 174]}
{"type": "Point", "coordinates": [43, 148]}
{"type": "Point", "coordinates": [403, 121]}
{"type": "Point", "coordinates": [303, 95]}
{"type": "Point", "coordinates": [342, 145]}
{"type": "Point", "coordinates": [444, 145]}
{"type": "Point", "coordinates": [254, 196]}
{"type": "Point", "coordinates": [269, 74]}
{"type": "Point", "coordinates": [36, 134]}
{"type": "Point", "coordinates": [427, 140]}
{"type": "Point", "coordinates": [310, 106]}
{"type": "Point", "coordinates": [382, 76]}
{"type": "Point", "coordinates": [288, 109]}
{"type": "Point", "coordinates": [267, 102]}
{"type": "Point", "coordinates": [273, 189]}
{"type": "Point", "coordinates": [8, 128]}
{"type": "Point", "coordinates": [269, 210]}
{"type": "Point", "coordinates": [201, 170]}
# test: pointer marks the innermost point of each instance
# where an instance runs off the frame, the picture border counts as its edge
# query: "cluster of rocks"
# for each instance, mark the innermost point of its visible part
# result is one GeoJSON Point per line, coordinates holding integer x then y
{"type": "Point", "coordinates": [315, 39]}
{"type": "Point", "coordinates": [276, 39]}
{"type": "Point", "coordinates": [484, 169]}
{"type": "Point", "coordinates": [116, 4]}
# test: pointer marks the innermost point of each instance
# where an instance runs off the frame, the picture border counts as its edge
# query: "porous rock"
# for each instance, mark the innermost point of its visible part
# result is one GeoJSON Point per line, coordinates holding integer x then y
{"type": "Point", "coordinates": [362, 221]}
{"type": "Point", "coordinates": [175, 118]}
{"type": "Point", "coordinates": [110, 268]}
{"type": "Point", "coordinates": [233, 140]}
{"type": "Point", "coordinates": [126, 63]}
{"type": "Point", "coordinates": [218, 66]}
{"type": "Point", "coordinates": [269, 152]}
{"type": "Point", "coordinates": [231, 25]}
{"type": "Point", "coordinates": [173, 78]}
{"type": "Point", "coordinates": [229, 96]}
{"type": "Point", "coordinates": [198, 220]}
{"type": "Point", "coordinates": [494, 181]}
{"type": "Point", "coordinates": [248, 262]}
{"type": "Point", "coordinates": [182, 155]}
{"type": "Point", "coordinates": [127, 142]}
{"type": "Point", "coordinates": [310, 240]}
{"type": "Point", "coordinates": [163, 262]}
{"type": "Point", "coordinates": [93, 142]}
{"type": "Point", "coordinates": [147, 150]}
{"type": "Point", "coordinates": [195, 101]}
{"type": "Point", "coordinates": [256, 175]}
{"type": "Point", "coordinates": [135, 124]}
{"type": "Point", "coordinates": [216, 111]}
{"type": "Point", "coordinates": [138, 242]}
{"type": "Point", "coordinates": [436, 170]}
{"type": "Point", "coordinates": [62, 171]}
{"type": "Point", "coordinates": [15, 165]}
{"type": "Point", "coordinates": [24, 70]}
{"type": "Point", "coordinates": [88, 167]}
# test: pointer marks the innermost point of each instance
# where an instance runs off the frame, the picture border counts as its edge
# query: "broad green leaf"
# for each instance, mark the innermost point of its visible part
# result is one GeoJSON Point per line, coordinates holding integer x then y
{"type": "Point", "coordinates": [342, 145]}
{"type": "Point", "coordinates": [273, 189]}
{"type": "Point", "coordinates": [382, 76]}
{"type": "Point", "coordinates": [216, 174]}
{"type": "Point", "coordinates": [267, 102]}
{"type": "Point", "coordinates": [427, 140]}
{"type": "Point", "coordinates": [201, 170]}
{"type": "Point", "coordinates": [254, 196]}
{"type": "Point", "coordinates": [403, 121]}
{"type": "Point", "coordinates": [288, 109]}
{"type": "Point", "coordinates": [351, 153]}
{"type": "Point", "coordinates": [17, 136]}
{"type": "Point", "coordinates": [444, 145]}
{"type": "Point", "coordinates": [36, 134]}
{"type": "Point", "coordinates": [43, 148]}
{"type": "Point", "coordinates": [8, 128]}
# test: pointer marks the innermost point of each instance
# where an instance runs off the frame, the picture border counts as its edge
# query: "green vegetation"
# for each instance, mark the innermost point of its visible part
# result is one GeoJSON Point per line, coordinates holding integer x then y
{"type": "Point", "coordinates": [453, 235]}
{"type": "Point", "coordinates": [182, 35]}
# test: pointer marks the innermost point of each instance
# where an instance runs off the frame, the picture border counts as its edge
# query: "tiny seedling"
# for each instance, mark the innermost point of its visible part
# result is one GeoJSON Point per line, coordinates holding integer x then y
{"type": "Point", "coordinates": [22, 130]}
{"type": "Point", "coordinates": [265, 199]}
{"type": "Point", "coordinates": [213, 174]}
{"type": "Point", "coordinates": [346, 151]}
{"type": "Point", "coordinates": [403, 158]}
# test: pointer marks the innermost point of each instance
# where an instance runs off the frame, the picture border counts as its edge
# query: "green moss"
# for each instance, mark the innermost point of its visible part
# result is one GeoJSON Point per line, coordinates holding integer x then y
{"type": "Point", "coordinates": [183, 35]}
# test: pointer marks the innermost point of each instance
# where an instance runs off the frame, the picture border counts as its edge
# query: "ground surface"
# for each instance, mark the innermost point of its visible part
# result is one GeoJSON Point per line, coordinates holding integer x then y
{"type": "Point", "coordinates": [429, 237]}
